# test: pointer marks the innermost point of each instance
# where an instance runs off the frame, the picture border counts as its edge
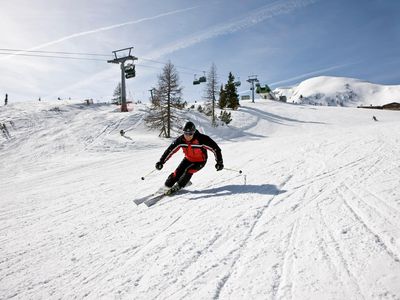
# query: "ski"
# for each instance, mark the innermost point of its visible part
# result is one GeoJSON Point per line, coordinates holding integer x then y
{"type": "Point", "coordinates": [153, 200]}
{"type": "Point", "coordinates": [158, 195]}
{"type": "Point", "coordinates": [143, 199]}
{"type": "Point", "coordinates": [160, 192]}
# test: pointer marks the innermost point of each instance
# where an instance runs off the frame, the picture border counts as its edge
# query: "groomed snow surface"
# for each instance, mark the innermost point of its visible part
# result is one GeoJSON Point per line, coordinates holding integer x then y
{"type": "Point", "coordinates": [314, 215]}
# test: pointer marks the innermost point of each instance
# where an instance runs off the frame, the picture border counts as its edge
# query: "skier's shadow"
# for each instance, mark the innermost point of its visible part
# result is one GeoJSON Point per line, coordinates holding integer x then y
{"type": "Point", "coordinates": [226, 190]}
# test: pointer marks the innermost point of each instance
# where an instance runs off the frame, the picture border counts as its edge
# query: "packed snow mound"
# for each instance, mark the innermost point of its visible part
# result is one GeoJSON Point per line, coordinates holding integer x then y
{"type": "Point", "coordinates": [340, 91]}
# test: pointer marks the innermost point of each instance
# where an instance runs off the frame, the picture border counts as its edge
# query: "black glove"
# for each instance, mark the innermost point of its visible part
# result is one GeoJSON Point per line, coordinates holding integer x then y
{"type": "Point", "coordinates": [159, 165]}
{"type": "Point", "coordinates": [219, 166]}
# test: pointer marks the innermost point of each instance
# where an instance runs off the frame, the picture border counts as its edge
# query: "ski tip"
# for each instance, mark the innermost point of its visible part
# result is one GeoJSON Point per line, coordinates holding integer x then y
{"type": "Point", "coordinates": [137, 202]}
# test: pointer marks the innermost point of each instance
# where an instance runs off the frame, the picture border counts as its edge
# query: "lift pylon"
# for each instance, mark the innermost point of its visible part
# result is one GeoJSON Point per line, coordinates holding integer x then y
{"type": "Point", "coordinates": [120, 57]}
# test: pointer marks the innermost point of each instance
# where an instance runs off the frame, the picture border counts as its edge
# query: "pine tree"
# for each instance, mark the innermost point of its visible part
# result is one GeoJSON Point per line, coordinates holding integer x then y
{"type": "Point", "coordinates": [166, 99]}
{"type": "Point", "coordinates": [232, 96]}
{"type": "Point", "coordinates": [211, 92]}
{"type": "Point", "coordinates": [222, 102]}
{"type": "Point", "coordinates": [225, 117]}
{"type": "Point", "coordinates": [117, 94]}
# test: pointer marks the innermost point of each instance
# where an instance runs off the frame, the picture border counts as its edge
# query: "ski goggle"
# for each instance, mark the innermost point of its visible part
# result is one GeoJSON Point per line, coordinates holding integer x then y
{"type": "Point", "coordinates": [189, 133]}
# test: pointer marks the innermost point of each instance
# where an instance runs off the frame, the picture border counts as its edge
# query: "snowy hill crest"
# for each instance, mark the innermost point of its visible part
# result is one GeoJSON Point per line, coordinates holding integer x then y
{"type": "Point", "coordinates": [340, 91]}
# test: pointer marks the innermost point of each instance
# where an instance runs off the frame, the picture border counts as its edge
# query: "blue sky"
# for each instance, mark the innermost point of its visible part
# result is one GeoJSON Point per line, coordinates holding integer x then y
{"type": "Point", "coordinates": [283, 42]}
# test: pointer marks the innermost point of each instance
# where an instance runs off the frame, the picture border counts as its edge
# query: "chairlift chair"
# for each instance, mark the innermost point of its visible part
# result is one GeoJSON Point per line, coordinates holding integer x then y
{"type": "Point", "coordinates": [203, 78]}
{"type": "Point", "coordinates": [237, 82]}
{"type": "Point", "coordinates": [196, 81]}
{"type": "Point", "coordinates": [130, 71]}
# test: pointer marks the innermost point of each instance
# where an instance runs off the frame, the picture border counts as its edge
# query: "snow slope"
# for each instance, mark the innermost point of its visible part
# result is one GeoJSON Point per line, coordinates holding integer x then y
{"type": "Point", "coordinates": [340, 91]}
{"type": "Point", "coordinates": [315, 214]}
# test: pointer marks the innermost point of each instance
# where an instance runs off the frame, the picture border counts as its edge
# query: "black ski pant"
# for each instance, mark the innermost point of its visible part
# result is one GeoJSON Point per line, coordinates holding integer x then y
{"type": "Point", "coordinates": [184, 172]}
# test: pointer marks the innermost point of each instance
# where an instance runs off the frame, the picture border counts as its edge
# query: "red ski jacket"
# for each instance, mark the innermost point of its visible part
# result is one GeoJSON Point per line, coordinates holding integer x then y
{"type": "Point", "coordinates": [195, 150]}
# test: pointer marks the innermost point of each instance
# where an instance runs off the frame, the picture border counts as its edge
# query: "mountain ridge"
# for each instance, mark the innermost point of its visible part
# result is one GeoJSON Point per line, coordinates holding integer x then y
{"type": "Point", "coordinates": [340, 91]}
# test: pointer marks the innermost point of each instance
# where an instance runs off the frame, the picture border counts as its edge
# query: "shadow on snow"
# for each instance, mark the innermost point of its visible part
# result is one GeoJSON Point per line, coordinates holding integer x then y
{"type": "Point", "coordinates": [263, 189]}
{"type": "Point", "coordinates": [274, 118]}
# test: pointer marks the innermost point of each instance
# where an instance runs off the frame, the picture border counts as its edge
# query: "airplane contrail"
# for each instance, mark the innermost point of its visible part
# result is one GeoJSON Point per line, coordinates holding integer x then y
{"type": "Point", "coordinates": [313, 73]}
{"type": "Point", "coordinates": [259, 15]}
{"type": "Point", "coordinates": [68, 37]}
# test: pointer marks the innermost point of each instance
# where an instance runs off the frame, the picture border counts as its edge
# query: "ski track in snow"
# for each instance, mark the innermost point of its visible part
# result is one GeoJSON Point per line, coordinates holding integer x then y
{"type": "Point", "coordinates": [315, 214]}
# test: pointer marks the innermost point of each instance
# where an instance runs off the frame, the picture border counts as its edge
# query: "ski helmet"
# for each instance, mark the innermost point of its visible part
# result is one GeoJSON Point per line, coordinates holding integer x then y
{"type": "Point", "coordinates": [189, 127]}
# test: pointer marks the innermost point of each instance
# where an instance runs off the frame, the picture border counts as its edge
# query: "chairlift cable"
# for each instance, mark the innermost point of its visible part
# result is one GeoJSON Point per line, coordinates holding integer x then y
{"type": "Point", "coordinates": [52, 56]}
{"type": "Point", "coordinates": [164, 63]}
{"type": "Point", "coordinates": [72, 57]}
{"type": "Point", "coordinates": [55, 52]}
{"type": "Point", "coordinates": [21, 52]}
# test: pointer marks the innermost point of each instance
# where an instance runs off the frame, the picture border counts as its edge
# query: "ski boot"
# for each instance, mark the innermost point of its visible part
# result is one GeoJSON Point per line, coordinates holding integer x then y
{"type": "Point", "coordinates": [176, 187]}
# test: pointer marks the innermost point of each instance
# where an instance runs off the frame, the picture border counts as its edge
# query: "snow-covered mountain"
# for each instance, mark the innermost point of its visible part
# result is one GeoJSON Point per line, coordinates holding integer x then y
{"type": "Point", "coordinates": [314, 215]}
{"type": "Point", "coordinates": [340, 91]}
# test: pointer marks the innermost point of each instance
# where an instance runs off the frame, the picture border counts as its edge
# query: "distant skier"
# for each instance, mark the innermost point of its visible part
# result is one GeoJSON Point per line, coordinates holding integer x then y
{"type": "Point", "coordinates": [12, 124]}
{"type": "Point", "coordinates": [6, 100]}
{"type": "Point", "coordinates": [195, 146]}
{"type": "Point", "coordinates": [374, 118]}
{"type": "Point", "coordinates": [5, 131]}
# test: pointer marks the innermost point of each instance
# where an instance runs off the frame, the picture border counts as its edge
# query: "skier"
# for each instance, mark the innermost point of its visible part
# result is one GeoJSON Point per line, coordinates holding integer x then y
{"type": "Point", "coordinates": [5, 131]}
{"type": "Point", "coordinates": [195, 146]}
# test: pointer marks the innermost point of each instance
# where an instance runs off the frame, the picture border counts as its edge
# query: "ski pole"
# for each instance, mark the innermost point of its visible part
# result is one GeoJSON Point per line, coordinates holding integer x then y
{"type": "Point", "coordinates": [233, 170]}
{"type": "Point", "coordinates": [240, 172]}
{"type": "Point", "coordinates": [143, 177]}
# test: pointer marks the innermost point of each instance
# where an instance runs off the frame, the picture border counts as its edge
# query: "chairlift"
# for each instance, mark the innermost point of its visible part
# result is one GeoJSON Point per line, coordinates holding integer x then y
{"type": "Point", "coordinates": [196, 81]}
{"type": "Point", "coordinates": [238, 83]}
{"type": "Point", "coordinates": [130, 71]}
{"type": "Point", "coordinates": [203, 78]}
